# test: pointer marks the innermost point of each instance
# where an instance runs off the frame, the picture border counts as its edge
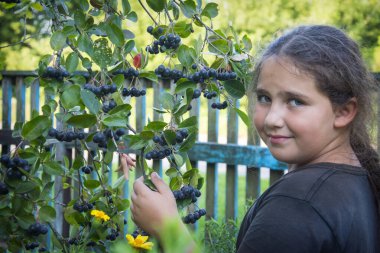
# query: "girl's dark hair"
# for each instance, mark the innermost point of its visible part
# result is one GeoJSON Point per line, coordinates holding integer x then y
{"type": "Point", "coordinates": [334, 60]}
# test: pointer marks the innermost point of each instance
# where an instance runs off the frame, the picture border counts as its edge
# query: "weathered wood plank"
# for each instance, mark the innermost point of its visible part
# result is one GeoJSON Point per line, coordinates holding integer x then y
{"type": "Point", "coordinates": [140, 122]}
{"type": "Point", "coordinates": [232, 170]}
{"type": "Point", "coordinates": [20, 98]}
{"type": "Point", "coordinates": [35, 96]}
{"type": "Point", "coordinates": [212, 169]}
{"type": "Point", "coordinates": [7, 109]}
{"type": "Point", "coordinates": [157, 90]}
{"type": "Point", "coordinates": [275, 175]}
{"type": "Point", "coordinates": [253, 178]}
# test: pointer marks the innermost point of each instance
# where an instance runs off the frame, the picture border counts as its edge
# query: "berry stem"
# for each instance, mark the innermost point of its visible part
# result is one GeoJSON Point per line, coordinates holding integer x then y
{"type": "Point", "coordinates": [59, 237]}
{"type": "Point", "coordinates": [146, 10]}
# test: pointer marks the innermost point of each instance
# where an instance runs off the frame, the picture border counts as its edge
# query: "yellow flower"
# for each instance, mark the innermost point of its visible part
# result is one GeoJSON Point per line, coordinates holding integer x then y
{"type": "Point", "coordinates": [100, 215]}
{"type": "Point", "coordinates": [139, 242]}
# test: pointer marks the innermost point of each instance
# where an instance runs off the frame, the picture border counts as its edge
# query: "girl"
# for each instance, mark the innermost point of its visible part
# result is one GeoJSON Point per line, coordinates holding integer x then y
{"type": "Point", "coordinates": [312, 111]}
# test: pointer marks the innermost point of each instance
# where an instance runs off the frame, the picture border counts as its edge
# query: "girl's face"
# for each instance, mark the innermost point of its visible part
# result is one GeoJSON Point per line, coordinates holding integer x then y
{"type": "Point", "coordinates": [294, 119]}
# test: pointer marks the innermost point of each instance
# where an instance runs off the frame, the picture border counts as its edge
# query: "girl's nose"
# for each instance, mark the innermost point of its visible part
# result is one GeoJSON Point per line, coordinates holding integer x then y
{"type": "Point", "coordinates": [274, 118]}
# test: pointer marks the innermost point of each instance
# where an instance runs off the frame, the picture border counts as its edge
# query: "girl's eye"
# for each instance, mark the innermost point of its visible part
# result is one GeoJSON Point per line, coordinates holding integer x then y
{"type": "Point", "coordinates": [295, 102]}
{"type": "Point", "coordinates": [263, 99]}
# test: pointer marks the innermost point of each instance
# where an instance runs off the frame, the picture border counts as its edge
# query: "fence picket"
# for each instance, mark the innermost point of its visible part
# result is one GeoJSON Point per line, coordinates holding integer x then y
{"type": "Point", "coordinates": [232, 170]}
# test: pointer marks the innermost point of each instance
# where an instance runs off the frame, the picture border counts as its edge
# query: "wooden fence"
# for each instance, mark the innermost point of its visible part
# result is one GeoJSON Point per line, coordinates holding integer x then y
{"type": "Point", "coordinates": [15, 108]}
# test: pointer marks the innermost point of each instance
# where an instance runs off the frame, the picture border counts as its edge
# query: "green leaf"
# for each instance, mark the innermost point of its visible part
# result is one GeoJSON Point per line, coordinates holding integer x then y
{"type": "Point", "coordinates": [188, 8]}
{"type": "Point", "coordinates": [188, 143]}
{"type": "Point", "coordinates": [210, 10]}
{"type": "Point", "coordinates": [84, 5]}
{"type": "Point", "coordinates": [247, 43]}
{"type": "Point", "coordinates": [25, 187]}
{"type": "Point", "coordinates": [147, 135]}
{"type": "Point", "coordinates": [53, 168]}
{"type": "Point", "coordinates": [85, 44]}
{"type": "Point", "coordinates": [189, 122]}
{"type": "Point", "coordinates": [71, 97]}
{"type": "Point", "coordinates": [121, 110]}
{"type": "Point", "coordinates": [244, 117]}
{"type": "Point", "coordinates": [82, 121]}
{"type": "Point", "coordinates": [183, 29]}
{"type": "Point", "coordinates": [47, 214]}
{"type": "Point", "coordinates": [219, 46]}
{"type": "Point", "coordinates": [184, 85]}
{"type": "Point", "coordinates": [91, 184]}
{"type": "Point", "coordinates": [34, 128]}
{"type": "Point", "coordinates": [122, 204]}
{"type": "Point", "coordinates": [234, 88]}
{"type": "Point", "coordinates": [115, 34]}
{"type": "Point", "coordinates": [90, 101]}
{"type": "Point", "coordinates": [57, 40]}
{"type": "Point", "coordinates": [150, 75]}
{"type": "Point", "coordinates": [72, 62]}
{"type": "Point", "coordinates": [102, 53]}
{"type": "Point", "coordinates": [29, 81]}
{"type": "Point", "coordinates": [167, 101]}
{"type": "Point", "coordinates": [126, 6]}
{"type": "Point", "coordinates": [170, 137]}
{"type": "Point", "coordinates": [156, 5]}
{"type": "Point", "coordinates": [185, 55]}
{"type": "Point", "coordinates": [171, 172]}
{"type": "Point", "coordinates": [132, 16]}
{"type": "Point", "coordinates": [115, 121]}
{"type": "Point", "coordinates": [175, 183]}
{"type": "Point", "coordinates": [129, 46]}
{"type": "Point", "coordinates": [86, 63]}
{"type": "Point", "coordinates": [156, 125]}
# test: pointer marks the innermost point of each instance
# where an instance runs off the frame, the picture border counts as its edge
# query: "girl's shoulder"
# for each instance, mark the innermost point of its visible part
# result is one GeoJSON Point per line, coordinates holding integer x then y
{"type": "Point", "coordinates": [305, 182]}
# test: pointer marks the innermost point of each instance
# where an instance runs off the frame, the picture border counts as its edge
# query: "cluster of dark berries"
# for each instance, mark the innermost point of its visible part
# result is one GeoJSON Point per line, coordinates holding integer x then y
{"type": "Point", "coordinates": [167, 73]}
{"type": "Point", "coordinates": [65, 135]}
{"type": "Point", "coordinates": [32, 245]}
{"type": "Point", "coordinates": [101, 138]}
{"type": "Point", "coordinates": [197, 93]}
{"type": "Point", "coordinates": [193, 217]}
{"type": "Point", "coordinates": [3, 189]}
{"type": "Point", "coordinates": [181, 134]}
{"type": "Point", "coordinates": [219, 106]}
{"type": "Point", "coordinates": [55, 73]}
{"type": "Point", "coordinates": [158, 154]}
{"type": "Point", "coordinates": [187, 192]}
{"type": "Point", "coordinates": [164, 42]}
{"type": "Point", "coordinates": [137, 233]}
{"type": "Point", "coordinates": [209, 95]}
{"type": "Point", "coordinates": [133, 92]}
{"type": "Point", "coordinates": [13, 166]}
{"type": "Point", "coordinates": [150, 29]}
{"type": "Point", "coordinates": [82, 207]}
{"type": "Point", "coordinates": [128, 73]}
{"type": "Point", "coordinates": [113, 234]}
{"type": "Point", "coordinates": [206, 73]}
{"type": "Point", "coordinates": [37, 228]}
{"type": "Point", "coordinates": [87, 169]}
{"type": "Point", "coordinates": [109, 105]}
{"type": "Point", "coordinates": [102, 90]}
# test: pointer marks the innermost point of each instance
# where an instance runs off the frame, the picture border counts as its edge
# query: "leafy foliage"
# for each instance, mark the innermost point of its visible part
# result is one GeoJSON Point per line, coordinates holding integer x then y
{"type": "Point", "coordinates": [92, 112]}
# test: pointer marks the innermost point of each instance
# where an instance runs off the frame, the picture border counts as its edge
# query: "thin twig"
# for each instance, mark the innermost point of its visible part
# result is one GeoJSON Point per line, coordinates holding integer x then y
{"type": "Point", "coordinates": [168, 15]}
{"type": "Point", "coordinates": [146, 10]}
{"type": "Point", "coordinates": [58, 236]}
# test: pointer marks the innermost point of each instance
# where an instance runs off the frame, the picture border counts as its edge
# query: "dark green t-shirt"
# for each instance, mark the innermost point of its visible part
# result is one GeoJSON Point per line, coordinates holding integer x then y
{"type": "Point", "coordinates": [323, 207]}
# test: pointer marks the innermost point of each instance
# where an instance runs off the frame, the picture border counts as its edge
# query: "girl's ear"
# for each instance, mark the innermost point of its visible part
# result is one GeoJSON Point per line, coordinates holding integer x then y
{"type": "Point", "coordinates": [346, 113]}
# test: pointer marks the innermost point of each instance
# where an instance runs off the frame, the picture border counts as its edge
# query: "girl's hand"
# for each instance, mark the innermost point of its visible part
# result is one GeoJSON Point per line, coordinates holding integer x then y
{"type": "Point", "coordinates": [150, 209]}
{"type": "Point", "coordinates": [127, 164]}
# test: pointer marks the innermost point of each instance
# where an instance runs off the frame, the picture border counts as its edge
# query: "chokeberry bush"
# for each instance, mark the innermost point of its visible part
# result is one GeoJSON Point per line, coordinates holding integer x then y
{"type": "Point", "coordinates": [90, 109]}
